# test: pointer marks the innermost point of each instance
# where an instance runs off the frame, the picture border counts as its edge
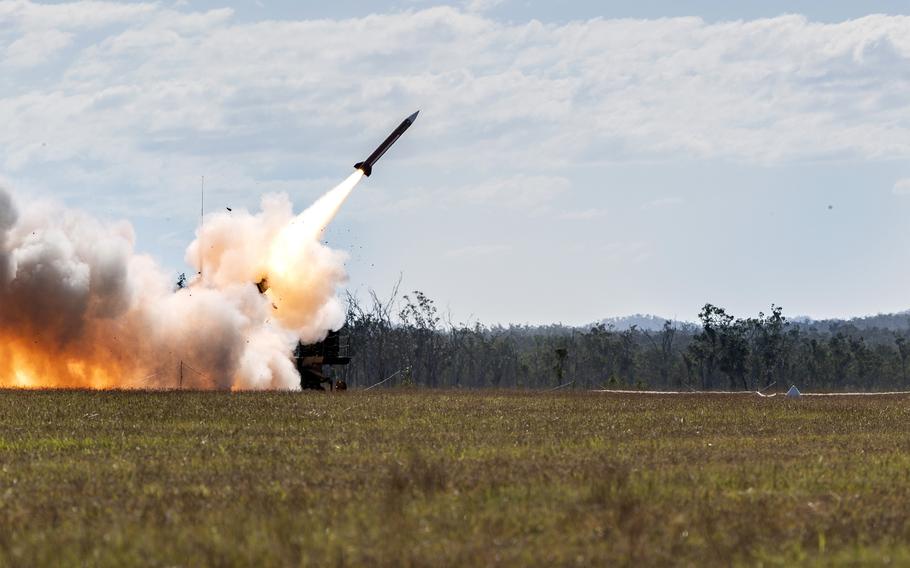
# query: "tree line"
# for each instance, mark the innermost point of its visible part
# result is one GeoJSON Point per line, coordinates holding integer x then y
{"type": "Point", "coordinates": [405, 340]}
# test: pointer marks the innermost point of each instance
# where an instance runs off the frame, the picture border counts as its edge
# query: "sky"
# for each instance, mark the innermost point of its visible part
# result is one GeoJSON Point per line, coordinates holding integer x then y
{"type": "Point", "coordinates": [572, 161]}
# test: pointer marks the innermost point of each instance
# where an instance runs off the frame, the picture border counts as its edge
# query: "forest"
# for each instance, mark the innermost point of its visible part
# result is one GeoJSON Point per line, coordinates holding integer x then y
{"type": "Point", "coordinates": [404, 340]}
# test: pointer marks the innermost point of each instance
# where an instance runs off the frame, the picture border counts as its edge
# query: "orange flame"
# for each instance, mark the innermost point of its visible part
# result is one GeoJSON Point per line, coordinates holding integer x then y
{"type": "Point", "coordinates": [35, 366]}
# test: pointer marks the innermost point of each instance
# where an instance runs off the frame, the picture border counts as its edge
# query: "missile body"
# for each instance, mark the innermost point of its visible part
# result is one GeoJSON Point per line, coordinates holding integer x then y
{"type": "Point", "coordinates": [366, 166]}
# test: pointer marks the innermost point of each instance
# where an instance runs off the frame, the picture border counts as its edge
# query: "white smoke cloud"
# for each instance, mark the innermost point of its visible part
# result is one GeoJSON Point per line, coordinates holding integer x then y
{"type": "Point", "coordinates": [79, 307]}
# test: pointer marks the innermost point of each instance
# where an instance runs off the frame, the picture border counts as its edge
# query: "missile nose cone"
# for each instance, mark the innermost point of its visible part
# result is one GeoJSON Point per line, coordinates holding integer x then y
{"type": "Point", "coordinates": [413, 117]}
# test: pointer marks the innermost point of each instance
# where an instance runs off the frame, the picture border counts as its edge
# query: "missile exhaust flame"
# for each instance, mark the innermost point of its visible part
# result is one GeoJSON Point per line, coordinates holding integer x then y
{"type": "Point", "coordinates": [80, 308]}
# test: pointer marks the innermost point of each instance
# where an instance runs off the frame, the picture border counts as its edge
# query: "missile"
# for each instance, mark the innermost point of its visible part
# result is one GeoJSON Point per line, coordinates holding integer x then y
{"type": "Point", "coordinates": [366, 166]}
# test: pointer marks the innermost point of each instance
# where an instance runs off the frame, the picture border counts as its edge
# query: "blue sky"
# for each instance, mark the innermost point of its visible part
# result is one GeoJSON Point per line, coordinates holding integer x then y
{"type": "Point", "coordinates": [570, 162]}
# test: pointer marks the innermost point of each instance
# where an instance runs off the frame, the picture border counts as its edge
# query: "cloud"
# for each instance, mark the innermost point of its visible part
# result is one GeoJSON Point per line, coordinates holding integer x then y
{"type": "Point", "coordinates": [81, 15]}
{"type": "Point", "coordinates": [35, 48]}
{"type": "Point", "coordinates": [901, 187]}
{"type": "Point", "coordinates": [482, 5]}
{"type": "Point", "coordinates": [151, 95]}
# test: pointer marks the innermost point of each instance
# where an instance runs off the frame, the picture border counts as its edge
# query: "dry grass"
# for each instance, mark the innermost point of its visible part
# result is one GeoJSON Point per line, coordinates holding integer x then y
{"type": "Point", "coordinates": [443, 478]}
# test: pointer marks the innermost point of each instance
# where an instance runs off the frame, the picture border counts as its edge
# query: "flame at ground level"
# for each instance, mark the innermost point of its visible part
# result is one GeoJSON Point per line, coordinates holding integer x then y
{"type": "Point", "coordinates": [24, 367]}
{"type": "Point", "coordinates": [80, 309]}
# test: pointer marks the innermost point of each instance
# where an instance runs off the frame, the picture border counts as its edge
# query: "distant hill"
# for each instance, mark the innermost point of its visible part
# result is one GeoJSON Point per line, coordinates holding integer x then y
{"type": "Point", "coordinates": [644, 322]}
{"type": "Point", "coordinates": [892, 322]}
{"type": "Point", "coordinates": [899, 321]}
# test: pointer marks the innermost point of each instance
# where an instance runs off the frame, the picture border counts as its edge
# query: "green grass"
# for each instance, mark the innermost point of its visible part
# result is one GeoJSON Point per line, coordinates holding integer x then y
{"type": "Point", "coordinates": [446, 478]}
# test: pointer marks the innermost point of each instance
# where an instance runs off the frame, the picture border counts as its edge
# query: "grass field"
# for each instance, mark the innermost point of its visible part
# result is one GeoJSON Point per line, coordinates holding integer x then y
{"type": "Point", "coordinates": [441, 478]}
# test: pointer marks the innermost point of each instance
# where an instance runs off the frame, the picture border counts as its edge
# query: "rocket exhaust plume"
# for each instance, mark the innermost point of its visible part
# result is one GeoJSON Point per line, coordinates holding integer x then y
{"type": "Point", "coordinates": [79, 308]}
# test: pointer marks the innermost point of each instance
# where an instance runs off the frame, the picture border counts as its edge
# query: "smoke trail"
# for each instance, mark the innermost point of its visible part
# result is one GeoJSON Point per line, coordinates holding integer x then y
{"type": "Point", "coordinates": [79, 307]}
